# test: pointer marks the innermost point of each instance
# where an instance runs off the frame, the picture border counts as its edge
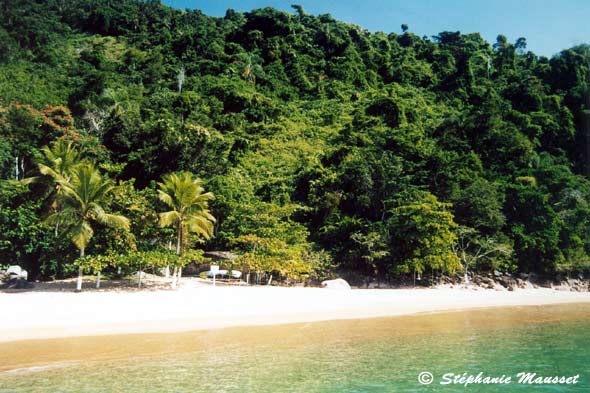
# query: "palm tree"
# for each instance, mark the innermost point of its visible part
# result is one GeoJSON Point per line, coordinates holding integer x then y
{"type": "Point", "coordinates": [58, 163]}
{"type": "Point", "coordinates": [81, 205]}
{"type": "Point", "coordinates": [60, 159]}
{"type": "Point", "coordinates": [189, 205]}
{"type": "Point", "coordinates": [251, 67]}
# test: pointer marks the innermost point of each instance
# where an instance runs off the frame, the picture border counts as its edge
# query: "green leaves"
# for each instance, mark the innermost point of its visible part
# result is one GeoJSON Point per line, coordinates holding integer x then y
{"type": "Point", "coordinates": [423, 235]}
{"type": "Point", "coordinates": [185, 195]}
{"type": "Point", "coordinates": [133, 261]}
{"type": "Point", "coordinates": [82, 192]}
{"type": "Point", "coordinates": [312, 133]}
{"type": "Point", "coordinates": [24, 239]}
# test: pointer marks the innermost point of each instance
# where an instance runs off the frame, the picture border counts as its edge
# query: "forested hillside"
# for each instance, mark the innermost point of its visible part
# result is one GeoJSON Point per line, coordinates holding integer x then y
{"type": "Point", "coordinates": [327, 147]}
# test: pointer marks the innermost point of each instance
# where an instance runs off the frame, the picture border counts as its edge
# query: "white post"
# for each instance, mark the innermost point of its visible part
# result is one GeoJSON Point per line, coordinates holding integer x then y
{"type": "Point", "coordinates": [174, 277]}
{"type": "Point", "coordinates": [214, 269]}
{"type": "Point", "coordinates": [79, 281]}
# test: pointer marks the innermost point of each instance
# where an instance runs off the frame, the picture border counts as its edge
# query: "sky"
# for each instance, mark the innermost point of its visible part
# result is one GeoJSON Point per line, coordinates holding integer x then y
{"type": "Point", "coordinates": [548, 26]}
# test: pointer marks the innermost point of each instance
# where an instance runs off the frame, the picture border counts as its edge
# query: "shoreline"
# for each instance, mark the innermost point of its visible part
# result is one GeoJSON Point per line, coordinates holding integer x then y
{"type": "Point", "coordinates": [37, 315]}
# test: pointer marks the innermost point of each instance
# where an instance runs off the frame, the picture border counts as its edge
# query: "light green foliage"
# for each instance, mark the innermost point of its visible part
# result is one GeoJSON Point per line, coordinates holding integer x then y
{"type": "Point", "coordinates": [153, 260]}
{"type": "Point", "coordinates": [479, 252]}
{"type": "Point", "coordinates": [274, 256]}
{"type": "Point", "coordinates": [424, 237]}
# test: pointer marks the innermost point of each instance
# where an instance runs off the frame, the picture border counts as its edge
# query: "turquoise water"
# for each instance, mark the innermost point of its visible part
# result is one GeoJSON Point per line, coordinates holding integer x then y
{"type": "Point", "coordinates": [379, 355]}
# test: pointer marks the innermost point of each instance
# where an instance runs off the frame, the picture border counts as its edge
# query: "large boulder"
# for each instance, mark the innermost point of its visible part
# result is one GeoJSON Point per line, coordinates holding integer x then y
{"type": "Point", "coordinates": [336, 284]}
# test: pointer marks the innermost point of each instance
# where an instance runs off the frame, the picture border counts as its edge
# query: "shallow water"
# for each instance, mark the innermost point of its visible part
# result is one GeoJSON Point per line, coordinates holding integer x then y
{"type": "Point", "coordinates": [373, 355]}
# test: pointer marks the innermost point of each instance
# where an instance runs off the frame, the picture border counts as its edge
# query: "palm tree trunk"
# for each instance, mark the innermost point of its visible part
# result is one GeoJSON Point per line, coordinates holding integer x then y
{"type": "Point", "coordinates": [80, 273]}
{"type": "Point", "coordinates": [177, 270]}
{"type": "Point", "coordinates": [167, 269]}
{"type": "Point", "coordinates": [179, 239]}
{"type": "Point", "coordinates": [174, 277]}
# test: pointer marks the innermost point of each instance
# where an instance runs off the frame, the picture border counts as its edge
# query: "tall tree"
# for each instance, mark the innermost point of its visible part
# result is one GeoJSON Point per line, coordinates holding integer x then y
{"type": "Point", "coordinates": [82, 204]}
{"type": "Point", "coordinates": [184, 194]}
{"type": "Point", "coordinates": [423, 235]}
{"type": "Point", "coordinates": [59, 161]}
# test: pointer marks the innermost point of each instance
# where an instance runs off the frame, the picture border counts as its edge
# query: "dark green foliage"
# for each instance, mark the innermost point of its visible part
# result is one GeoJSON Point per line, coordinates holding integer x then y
{"type": "Point", "coordinates": [312, 133]}
{"type": "Point", "coordinates": [479, 206]}
{"type": "Point", "coordinates": [24, 239]}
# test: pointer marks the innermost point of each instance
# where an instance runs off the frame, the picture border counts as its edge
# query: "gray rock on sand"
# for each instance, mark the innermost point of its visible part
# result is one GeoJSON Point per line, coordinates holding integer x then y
{"type": "Point", "coordinates": [336, 284]}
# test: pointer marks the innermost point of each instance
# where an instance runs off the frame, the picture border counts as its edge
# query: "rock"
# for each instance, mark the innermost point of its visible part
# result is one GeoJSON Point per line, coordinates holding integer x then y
{"type": "Point", "coordinates": [545, 284]}
{"type": "Point", "coordinates": [497, 273]}
{"type": "Point", "coordinates": [17, 283]}
{"type": "Point", "coordinates": [338, 283]}
{"type": "Point", "coordinates": [507, 282]}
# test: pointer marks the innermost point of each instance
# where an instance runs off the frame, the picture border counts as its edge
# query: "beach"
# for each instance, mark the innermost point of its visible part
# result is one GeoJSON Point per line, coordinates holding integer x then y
{"type": "Point", "coordinates": [41, 314]}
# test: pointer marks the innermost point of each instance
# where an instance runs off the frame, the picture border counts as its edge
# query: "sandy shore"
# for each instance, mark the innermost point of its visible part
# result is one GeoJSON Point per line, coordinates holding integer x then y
{"type": "Point", "coordinates": [42, 314]}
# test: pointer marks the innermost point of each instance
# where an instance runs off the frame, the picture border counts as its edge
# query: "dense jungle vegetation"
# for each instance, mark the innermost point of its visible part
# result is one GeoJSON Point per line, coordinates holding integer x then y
{"type": "Point", "coordinates": [326, 147]}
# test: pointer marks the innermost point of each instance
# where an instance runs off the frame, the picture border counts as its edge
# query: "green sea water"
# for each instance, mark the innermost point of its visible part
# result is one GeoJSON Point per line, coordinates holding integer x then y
{"type": "Point", "coordinates": [373, 355]}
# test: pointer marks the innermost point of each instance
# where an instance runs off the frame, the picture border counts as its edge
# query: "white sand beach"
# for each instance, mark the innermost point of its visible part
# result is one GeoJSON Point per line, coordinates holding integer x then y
{"type": "Point", "coordinates": [44, 314]}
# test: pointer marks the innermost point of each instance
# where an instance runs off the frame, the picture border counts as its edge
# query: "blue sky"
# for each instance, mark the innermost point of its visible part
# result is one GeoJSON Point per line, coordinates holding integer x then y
{"type": "Point", "coordinates": [548, 26]}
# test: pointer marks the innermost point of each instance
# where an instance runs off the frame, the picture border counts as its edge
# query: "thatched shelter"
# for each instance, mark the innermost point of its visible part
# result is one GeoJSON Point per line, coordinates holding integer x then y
{"type": "Point", "coordinates": [220, 256]}
{"type": "Point", "coordinates": [215, 257]}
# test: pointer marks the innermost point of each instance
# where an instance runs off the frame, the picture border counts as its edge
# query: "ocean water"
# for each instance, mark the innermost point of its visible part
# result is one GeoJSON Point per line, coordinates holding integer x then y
{"type": "Point", "coordinates": [373, 355]}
